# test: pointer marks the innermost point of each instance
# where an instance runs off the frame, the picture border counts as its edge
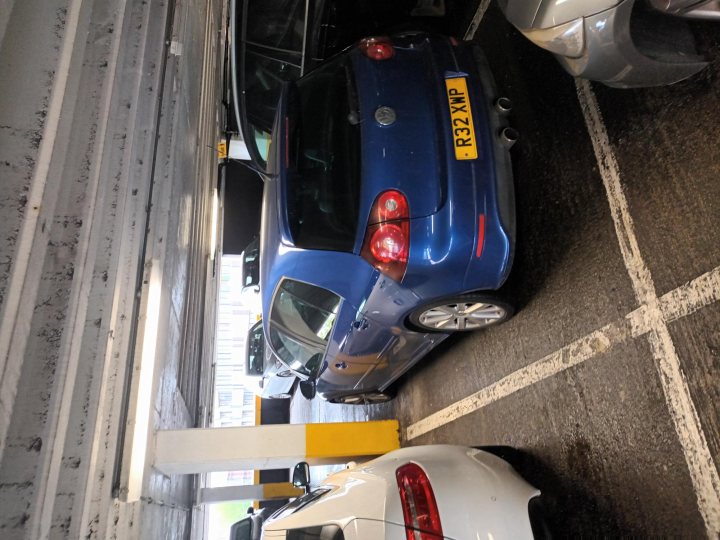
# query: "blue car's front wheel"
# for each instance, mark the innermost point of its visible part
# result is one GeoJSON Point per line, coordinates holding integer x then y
{"type": "Point", "coordinates": [462, 313]}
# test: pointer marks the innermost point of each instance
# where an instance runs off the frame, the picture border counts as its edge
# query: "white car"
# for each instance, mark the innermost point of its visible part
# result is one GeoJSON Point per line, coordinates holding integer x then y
{"type": "Point", "coordinates": [416, 493]}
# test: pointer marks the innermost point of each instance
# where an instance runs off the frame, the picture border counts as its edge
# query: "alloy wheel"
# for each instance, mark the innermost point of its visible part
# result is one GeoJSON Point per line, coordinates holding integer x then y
{"type": "Point", "coordinates": [462, 316]}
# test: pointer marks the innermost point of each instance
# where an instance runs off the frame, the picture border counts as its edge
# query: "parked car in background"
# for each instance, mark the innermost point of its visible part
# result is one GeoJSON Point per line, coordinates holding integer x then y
{"type": "Point", "coordinates": [251, 263]}
{"type": "Point", "coordinates": [248, 528]}
{"type": "Point", "coordinates": [388, 218]}
{"type": "Point", "coordinates": [622, 43]}
{"type": "Point", "coordinates": [276, 380]}
{"type": "Point", "coordinates": [275, 41]}
{"type": "Point", "coordinates": [422, 492]}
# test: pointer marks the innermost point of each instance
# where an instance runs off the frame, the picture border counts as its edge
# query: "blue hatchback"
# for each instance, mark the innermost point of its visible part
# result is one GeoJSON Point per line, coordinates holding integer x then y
{"type": "Point", "coordinates": [388, 216]}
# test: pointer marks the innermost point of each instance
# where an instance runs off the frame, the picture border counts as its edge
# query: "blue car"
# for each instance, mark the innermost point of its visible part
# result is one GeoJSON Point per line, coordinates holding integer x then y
{"type": "Point", "coordinates": [388, 216]}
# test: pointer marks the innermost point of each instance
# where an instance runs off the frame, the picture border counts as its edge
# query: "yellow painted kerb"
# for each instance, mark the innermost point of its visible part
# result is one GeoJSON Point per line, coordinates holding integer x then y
{"type": "Point", "coordinates": [258, 410]}
{"type": "Point", "coordinates": [351, 438]}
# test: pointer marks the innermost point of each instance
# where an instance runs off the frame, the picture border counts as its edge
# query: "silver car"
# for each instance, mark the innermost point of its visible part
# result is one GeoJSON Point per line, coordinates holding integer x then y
{"type": "Point", "coordinates": [621, 43]}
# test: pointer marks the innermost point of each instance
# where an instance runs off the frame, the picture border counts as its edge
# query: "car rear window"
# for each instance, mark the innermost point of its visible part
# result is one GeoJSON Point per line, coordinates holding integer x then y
{"type": "Point", "coordinates": [323, 181]}
{"type": "Point", "coordinates": [301, 319]}
{"type": "Point", "coordinates": [263, 77]}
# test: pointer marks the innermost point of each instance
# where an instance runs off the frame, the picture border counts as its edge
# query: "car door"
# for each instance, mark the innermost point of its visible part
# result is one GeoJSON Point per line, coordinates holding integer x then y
{"type": "Point", "coordinates": [383, 316]}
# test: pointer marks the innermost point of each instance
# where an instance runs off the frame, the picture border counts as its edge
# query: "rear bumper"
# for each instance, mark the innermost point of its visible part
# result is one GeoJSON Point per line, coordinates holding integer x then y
{"type": "Point", "coordinates": [468, 244]}
{"type": "Point", "coordinates": [478, 494]}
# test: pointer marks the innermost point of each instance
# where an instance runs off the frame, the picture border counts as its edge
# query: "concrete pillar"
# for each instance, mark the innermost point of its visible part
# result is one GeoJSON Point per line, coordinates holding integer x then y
{"type": "Point", "coordinates": [252, 492]}
{"type": "Point", "coordinates": [278, 446]}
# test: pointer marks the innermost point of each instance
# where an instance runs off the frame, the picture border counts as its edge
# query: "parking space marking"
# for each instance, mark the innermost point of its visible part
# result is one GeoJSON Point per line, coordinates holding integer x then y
{"type": "Point", "coordinates": [651, 319]}
{"type": "Point", "coordinates": [678, 303]}
{"type": "Point", "coordinates": [703, 473]}
{"type": "Point", "coordinates": [571, 355]}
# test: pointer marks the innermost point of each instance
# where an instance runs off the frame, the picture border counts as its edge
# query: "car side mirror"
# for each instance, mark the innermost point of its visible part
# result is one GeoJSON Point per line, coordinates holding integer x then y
{"type": "Point", "coordinates": [307, 389]}
{"type": "Point", "coordinates": [301, 475]}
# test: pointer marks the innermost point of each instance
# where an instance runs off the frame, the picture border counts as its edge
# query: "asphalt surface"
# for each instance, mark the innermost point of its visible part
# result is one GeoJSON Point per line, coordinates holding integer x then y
{"type": "Point", "coordinates": [602, 430]}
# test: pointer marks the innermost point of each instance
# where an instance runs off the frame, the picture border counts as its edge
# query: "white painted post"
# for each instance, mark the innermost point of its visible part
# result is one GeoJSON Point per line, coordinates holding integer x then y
{"type": "Point", "coordinates": [276, 446]}
{"type": "Point", "coordinates": [252, 492]}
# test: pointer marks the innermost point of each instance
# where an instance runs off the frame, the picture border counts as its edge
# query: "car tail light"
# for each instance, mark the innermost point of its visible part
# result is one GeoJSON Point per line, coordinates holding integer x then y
{"type": "Point", "coordinates": [420, 511]}
{"type": "Point", "coordinates": [377, 48]}
{"type": "Point", "coordinates": [387, 237]}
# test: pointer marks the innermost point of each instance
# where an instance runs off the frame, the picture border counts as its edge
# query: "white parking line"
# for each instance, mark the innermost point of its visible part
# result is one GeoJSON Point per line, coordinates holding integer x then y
{"type": "Point", "coordinates": [676, 304]}
{"type": "Point", "coordinates": [571, 355]}
{"type": "Point", "coordinates": [702, 469]}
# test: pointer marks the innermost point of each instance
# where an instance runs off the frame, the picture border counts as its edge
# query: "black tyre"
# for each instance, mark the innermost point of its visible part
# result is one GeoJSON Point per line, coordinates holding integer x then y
{"type": "Point", "coordinates": [363, 398]}
{"type": "Point", "coordinates": [462, 313]}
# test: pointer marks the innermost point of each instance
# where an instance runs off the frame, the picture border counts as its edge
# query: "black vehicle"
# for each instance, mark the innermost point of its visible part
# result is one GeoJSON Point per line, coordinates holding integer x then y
{"type": "Point", "coordinates": [251, 263]}
{"type": "Point", "coordinates": [278, 382]}
{"type": "Point", "coordinates": [256, 361]}
{"type": "Point", "coordinates": [249, 528]}
{"type": "Point", "coordinates": [274, 41]}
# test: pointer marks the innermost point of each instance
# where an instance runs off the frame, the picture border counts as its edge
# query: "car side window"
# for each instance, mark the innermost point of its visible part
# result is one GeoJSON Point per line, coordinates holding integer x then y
{"type": "Point", "coordinates": [320, 532]}
{"type": "Point", "coordinates": [301, 319]}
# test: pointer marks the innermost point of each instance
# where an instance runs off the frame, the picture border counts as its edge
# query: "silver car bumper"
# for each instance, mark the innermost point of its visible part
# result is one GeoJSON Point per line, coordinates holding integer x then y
{"type": "Point", "coordinates": [611, 56]}
{"type": "Point", "coordinates": [659, 50]}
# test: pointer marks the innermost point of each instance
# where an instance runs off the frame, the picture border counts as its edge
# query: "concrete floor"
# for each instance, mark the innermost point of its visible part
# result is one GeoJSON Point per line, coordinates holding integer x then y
{"type": "Point", "coordinates": [611, 394]}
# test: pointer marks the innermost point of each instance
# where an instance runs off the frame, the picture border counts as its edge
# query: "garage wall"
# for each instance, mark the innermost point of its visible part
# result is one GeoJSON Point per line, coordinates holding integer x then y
{"type": "Point", "coordinates": [107, 167]}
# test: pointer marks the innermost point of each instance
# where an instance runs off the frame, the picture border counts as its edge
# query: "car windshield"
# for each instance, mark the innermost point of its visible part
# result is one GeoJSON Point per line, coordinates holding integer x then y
{"type": "Point", "coordinates": [263, 79]}
{"type": "Point", "coordinates": [269, 51]}
{"type": "Point", "coordinates": [323, 181]}
{"type": "Point", "coordinates": [243, 530]}
{"type": "Point", "coordinates": [301, 319]}
{"type": "Point", "coordinates": [251, 263]}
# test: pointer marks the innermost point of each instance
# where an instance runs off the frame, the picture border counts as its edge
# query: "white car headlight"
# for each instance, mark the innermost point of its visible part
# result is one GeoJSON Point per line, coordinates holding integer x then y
{"type": "Point", "coordinates": [566, 39]}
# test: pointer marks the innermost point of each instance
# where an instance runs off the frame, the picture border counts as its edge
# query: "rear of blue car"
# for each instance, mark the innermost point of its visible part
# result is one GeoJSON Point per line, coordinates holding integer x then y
{"type": "Point", "coordinates": [444, 152]}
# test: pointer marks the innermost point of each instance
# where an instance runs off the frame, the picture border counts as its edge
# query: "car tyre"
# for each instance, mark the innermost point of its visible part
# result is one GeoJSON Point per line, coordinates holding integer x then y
{"type": "Point", "coordinates": [462, 313]}
{"type": "Point", "coordinates": [363, 398]}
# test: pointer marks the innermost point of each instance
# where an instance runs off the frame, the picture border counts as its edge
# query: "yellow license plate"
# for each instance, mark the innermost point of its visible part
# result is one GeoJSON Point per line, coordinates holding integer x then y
{"type": "Point", "coordinates": [461, 120]}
